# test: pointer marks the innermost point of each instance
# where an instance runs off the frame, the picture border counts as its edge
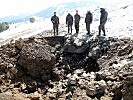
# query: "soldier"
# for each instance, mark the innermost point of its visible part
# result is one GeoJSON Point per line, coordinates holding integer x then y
{"type": "Point", "coordinates": [55, 21]}
{"type": "Point", "coordinates": [69, 22]}
{"type": "Point", "coordinates": [103, 20]}
{"type": "Point", "coordinates": [88, 21]}
{"type": "Point", "coordinates": [77, 20]}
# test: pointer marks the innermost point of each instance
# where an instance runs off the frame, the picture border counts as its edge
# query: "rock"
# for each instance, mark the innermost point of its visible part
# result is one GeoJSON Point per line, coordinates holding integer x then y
{"type": "Point", "coordinates": [16, 91]}
{"type": "Point", "coordinates": [19, 43]}
{"type": "Point", "coordinates": [86, 75]}
{"type": "Point", "coordinates": [75, 76]}
{"type": "Point", "coordinates": [127, 49]}
{"type": "Point", "coordinates": [34, 96]}
{"type": "Point", "coordinates": [127, 91]}
{"type": "Point", "coordinates": [96, 89]}
{"type": "Point", "coordinates": [23, 86]}
{"type": "Point", "coordinates": [91, 92]}
{"type": "Point", "coordinates": [37, 60]}
{"type": "Point", "coordinates": [95, 52]}
{"type": "Point", "coordinates": [106, 97]}
{"type": "Point", "coordinates": [10, 50]}
{"type": "Point", "coordinates": [5, 96]}
{"type": "Point", "coordinates": [78, 72]}
{"type": "Point", "coordinates": [72, 82]}
{"type": "Point", "coordinates": [10, 96]}
{"type": "Point", "coordinates": [44, 91]}
{"type": "Point", "coordinates": [92, 76]}
{"type": "Point", "coordinates": [17, 85]}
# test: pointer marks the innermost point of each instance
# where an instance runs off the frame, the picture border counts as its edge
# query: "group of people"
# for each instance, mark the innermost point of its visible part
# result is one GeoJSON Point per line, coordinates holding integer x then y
{"type": "Point", "coordinates": [76, 20]}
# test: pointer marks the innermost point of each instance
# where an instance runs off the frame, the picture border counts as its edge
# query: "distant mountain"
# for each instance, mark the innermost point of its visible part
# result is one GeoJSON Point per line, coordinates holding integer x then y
{"type": "Point", "coordinates": [64, 8]}
{"type": "Point", "coordinates": [61, 9]}
{"type": "Point", "coordinates": [14, 19]}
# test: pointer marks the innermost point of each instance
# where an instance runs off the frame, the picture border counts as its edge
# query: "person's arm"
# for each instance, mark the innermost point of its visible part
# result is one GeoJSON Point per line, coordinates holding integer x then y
{"type": "Point", "coordinates": [52, 20]}
{"type": "Point", "coordinates": [58, 21]}
{"type": "Point", "coordinates": [85, 19]}
{"type": "Point", "coordinates": [91, 18]}
{"type": "Point", "coordinates": [72, 19]}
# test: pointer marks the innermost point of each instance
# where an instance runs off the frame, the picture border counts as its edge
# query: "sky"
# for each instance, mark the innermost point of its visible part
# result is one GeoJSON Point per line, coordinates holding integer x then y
{"type": "Point", "coordinates": [18, 7]}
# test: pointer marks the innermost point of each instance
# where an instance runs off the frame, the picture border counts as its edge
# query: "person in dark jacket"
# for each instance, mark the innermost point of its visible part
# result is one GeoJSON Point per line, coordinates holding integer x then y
{"type": "Point", "coordinates": [55, 21]}
{"type": "Point", "coordinates": [88, 21]}
{"type": "Point", "coordinates": [69, 22]}
{"type": "Point", "coordinates": [77, 20]}
{"type": "Point", "coordinates": [103, 20]}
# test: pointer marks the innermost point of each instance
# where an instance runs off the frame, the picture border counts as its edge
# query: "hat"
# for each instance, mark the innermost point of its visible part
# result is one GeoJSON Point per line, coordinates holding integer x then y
{"type": "Point", "coordinates": [76, 11]}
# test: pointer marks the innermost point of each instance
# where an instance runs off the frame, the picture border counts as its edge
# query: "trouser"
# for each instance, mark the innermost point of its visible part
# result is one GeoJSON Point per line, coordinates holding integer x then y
{"type": "Point", "coordinates": [88, 28]}
{"type": "Point", "coordinates": [77, 28]}
{"type": "Point", "coordinates": [69, 28]}
{"type": "Point", "coordinates": [102, 27]}
{"type": "Point", "coordinates": [55, 27]}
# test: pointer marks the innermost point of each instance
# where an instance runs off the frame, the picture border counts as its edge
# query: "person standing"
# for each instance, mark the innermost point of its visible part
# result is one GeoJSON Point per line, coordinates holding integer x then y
{"type": "Point", "coordinates": [77, 20]}
{"type": "Point", "coordinates": [103, 20]}
{"type": "Point", "coordinates": [69, 22]}
{"type": "Point", "coordinates": [55, 21]}
{"type": "Point", "coordinates": [88, 21]}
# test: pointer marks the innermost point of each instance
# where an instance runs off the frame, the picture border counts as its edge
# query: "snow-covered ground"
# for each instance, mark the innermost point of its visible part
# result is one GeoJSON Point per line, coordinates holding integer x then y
{"type": "Point", "coordinates": [119, 24]}
{"type": "Point", "coordinates": [24, 30]}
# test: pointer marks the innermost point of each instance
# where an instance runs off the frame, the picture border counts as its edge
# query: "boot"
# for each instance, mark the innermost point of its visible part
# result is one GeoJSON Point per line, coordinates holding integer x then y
{"type": "Point", "coordinates": [88, 33]}
{"type": "Point", "coordinates": [104, 33]}
{"type": "Point", "coordinates": [99, 34]}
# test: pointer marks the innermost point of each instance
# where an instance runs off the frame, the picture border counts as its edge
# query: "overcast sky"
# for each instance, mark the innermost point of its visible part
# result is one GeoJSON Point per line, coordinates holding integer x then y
{"type": "Point", "coordinates": [17, 7]}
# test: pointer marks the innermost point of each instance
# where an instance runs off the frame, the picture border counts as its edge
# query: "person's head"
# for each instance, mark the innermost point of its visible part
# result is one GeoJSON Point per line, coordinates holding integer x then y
{"type": "Point", "coordinates": [88, 11]}
{"type": "Point", "coordinates": [76, 11]}
{"type": "Point", "coordinates": [54, 13]}
{"type": "Point", "coordinates": [102, 9]}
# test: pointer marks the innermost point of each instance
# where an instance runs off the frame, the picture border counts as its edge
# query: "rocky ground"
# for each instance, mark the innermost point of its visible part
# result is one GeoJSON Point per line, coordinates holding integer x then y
{"type": "Point", "coordinates": [56, 68]}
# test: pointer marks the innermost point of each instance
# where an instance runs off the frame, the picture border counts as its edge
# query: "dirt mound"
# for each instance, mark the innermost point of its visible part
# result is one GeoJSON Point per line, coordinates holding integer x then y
{"type": "Point", "coordinates": [37, 60]}
{"type": "Point", "coordinates": [37, 69]}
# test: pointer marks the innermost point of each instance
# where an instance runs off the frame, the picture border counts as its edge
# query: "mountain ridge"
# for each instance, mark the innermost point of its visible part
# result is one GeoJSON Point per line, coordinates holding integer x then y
{"type": "Point", "coordinates": [61, 9]}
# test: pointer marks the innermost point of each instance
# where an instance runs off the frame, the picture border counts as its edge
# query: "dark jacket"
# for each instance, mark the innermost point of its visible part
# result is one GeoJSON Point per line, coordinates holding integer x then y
{"type": "Point", "coordinates": [103, 17]}
{"type": "Point", "coordinates": [55, 20]}
{"type": "Point", "coordinates": [88, 18]}
{"type": "Point", "coordinates": [77, 18]}
{"type": "Point", "coordinates": [69, 19]}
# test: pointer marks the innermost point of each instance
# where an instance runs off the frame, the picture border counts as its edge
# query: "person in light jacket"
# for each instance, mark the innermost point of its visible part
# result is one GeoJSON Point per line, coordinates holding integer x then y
{"type": "Point", "coordinates": [103, 20]}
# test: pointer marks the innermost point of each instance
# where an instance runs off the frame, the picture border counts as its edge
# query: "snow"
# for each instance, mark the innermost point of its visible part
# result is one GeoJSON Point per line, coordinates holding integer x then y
{"type": "Point", "coordinates": [24, 30]}
{"type": "Point", "coordinates": [119, 24]}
